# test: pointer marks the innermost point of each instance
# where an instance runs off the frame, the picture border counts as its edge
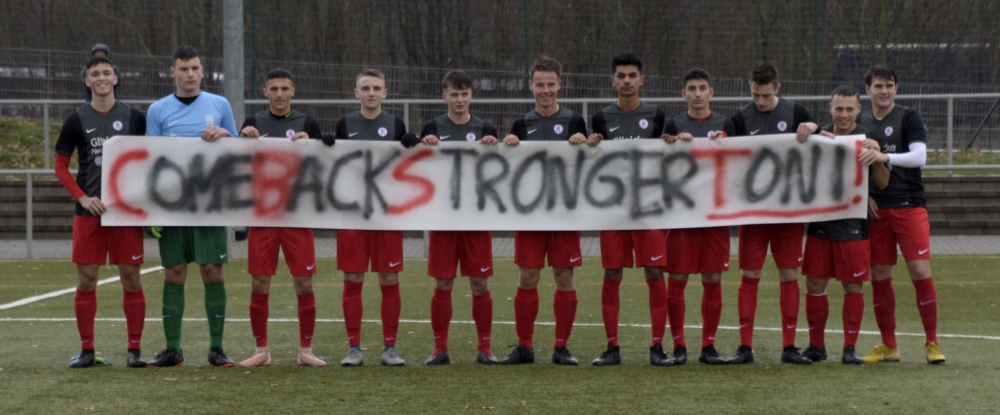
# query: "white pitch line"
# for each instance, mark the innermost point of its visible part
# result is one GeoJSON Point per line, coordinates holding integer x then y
{"type": "Point", "coordinates": [506, 323]}
{"type": "Point", "coordinates": [29, 300]}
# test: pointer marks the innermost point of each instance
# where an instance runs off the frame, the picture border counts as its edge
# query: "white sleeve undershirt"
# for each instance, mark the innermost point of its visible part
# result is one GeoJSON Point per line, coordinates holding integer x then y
{"type": "Point", "coordinates": [916, 157]}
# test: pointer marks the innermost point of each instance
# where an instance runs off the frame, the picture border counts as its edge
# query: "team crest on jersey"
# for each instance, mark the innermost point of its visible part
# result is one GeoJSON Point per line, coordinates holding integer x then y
{"type": "Point", "coordinates": [782, 125]}
{"type": "Point", "coordinates": [558, 128]}
{"type": "Point", "coordinates": [209, 120]}
{"type": "Point", "coordinates": [888, 131]}
{"type": "Point", "coordinates": [382, 132]}
{"type": "Point", "coordinates": [290, 133]}
{"type": "Point", "coordinates": [470, 137]}
{"type": "Point", "coordinates": [98, 160]}
{"type": "Point", "coordinates": [643, 124]}
{"type": "Point", "coordinates": [117, 125]}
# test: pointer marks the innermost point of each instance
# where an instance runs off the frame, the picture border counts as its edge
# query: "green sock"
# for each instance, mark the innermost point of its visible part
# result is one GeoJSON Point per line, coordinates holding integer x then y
{"type": "Point", "coordinates": [215, 307]}
{"type": "Point", "coordinates": [173, 313]}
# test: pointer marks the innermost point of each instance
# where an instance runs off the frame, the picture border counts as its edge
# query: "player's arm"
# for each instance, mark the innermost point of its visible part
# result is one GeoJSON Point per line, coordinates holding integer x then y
{"type": "Point", "coordinates": [428, 134]}
{"type": "Point", "coordinates": [340, 132]}
{"type": "Point", "coordinates": [600, 129]}
{"type": "Point", "coordinates": [137, 121]}
{"type": "Point", "coordinates": [489, 134]}
{"type": "Point", "coordinates": [739, 124]}
{"type": "Point", "coordinates": [153, 127]}
{"type": "Point", "coordinates": [407, 139]}
{"type": "Point", "coordinates": [727, 130]}
{"type": "Point", "coordinates": [71, 134]}
{"type": "Point", "coordinates": [310, 129]}
{"type": "Point", "coordinates": [659, 123]}
{"type": "Point", "coordinates": [249, 128]}
{"type": "Point", "coordinates": [517, 132]}
{"type": "Point", "coordinates": [916, 136]}
{"type": "Point", "coordinates": [577, 129]}
{"type": "Point", "coordinates": [806, 125]}
{"type": "Point", "coordinates": [670, 132]}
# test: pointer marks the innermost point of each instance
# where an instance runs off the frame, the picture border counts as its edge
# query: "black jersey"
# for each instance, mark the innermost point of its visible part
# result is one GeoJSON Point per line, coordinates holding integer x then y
{"type": "Point", "coordinates": [556, 127]}
{"type": "Point", "coordinates": [385, 127]}
{"type": "Point", "coordinates": [683, 123]}
{"type": "Point", "coordinates": [270, 125]}
{"type": "Point", "coordinates": [894, 133]}
{"type": "Point", "coordinates": [446, 129]}
{"type": "Point", "coordinates": [85, 131]}
{"type": "Point", "coordinates": [615, 123]}
{"type": "Point", "coordinates": [784, 118]}
{"type": "Point", "coordinates": [842, 229]}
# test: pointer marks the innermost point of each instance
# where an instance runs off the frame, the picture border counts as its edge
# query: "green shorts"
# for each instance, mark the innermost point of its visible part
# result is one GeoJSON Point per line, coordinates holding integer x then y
{"type": "Point", "coordinates": [185, 244]}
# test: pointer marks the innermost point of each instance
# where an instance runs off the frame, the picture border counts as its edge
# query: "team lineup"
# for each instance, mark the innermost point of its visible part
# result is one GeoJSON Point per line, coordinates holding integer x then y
{"type": "Point", "coordinates": [852, 251]}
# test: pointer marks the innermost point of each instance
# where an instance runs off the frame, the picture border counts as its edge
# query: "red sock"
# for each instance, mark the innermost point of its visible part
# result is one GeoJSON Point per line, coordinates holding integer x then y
{"type": "Point", "coordinates": [307, 318]}
{"type": "Point", "coordinates": [259, 311]}
{"type": "Point", "coordinates": [746, 301]}
{"type": "Point", "coordinates": [789, 304]}
{"type": "Point", "coordinates": [482, 313]}
{"type": "Point", "coordinates": [134, 305]}
{"type": "Point", "coordinates": [564, 308]}
{"type": "Point", "coordinates": [353, 310]}
{"type": "Point", "coordinates": [711, 312]}
{"type": "Point", "coordinates": [677, 306]}
{"type": "Point", "coordinates": [927, 305]}
{"type": "Point", "coordinates": [610, 305]}
{"type": "Point", "coordinates": [854, 310]}
{"type": "Point", "coordinates": [884, 305]}
{"type": "Point", "coordinates": [657, 310]}
{"type": "Point", "coordinates": [391, 308]}
{"type": "Point", "coordinates": [85, 305]}
{"type": "Point", "coordinates": [525, 313]}
{"type": "Point", "coordinates": [440, 319]}
{"type": "Point", "coordinates": [817, 313]}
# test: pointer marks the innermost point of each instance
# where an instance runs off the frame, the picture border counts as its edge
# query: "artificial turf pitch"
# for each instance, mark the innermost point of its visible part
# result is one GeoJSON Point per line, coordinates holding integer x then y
{"type": "Point", "coordinates": [37, 339]}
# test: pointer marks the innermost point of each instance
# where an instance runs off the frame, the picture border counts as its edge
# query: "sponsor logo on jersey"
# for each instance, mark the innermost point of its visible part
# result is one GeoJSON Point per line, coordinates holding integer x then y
{"type": "Point", "coordinates": [782, 125]}
{"type": "Point", "coordinates": [351, 134]}
{"type": "Point", "coordinates": [117, 125]}
{"type": "Point", "coordinates": [382, 132]}
{"type": "Point", "coordinates": [755, 131]}
{"type": "Point", "coordinates": [290, 133]}
{"type": "Point", "coordinates": [470, 137]}
{"type": "Point", "coordinates": [209, 120]}
{"type": "Point", "coordinates": [558, 128]}
{"type": "Point", "coordinates": [643, 124]}
{"type": "Point", "coordinates": [445, 137]}
{"type": "Point", "coordinates": [98, 142]}
{"type": "Point", "coordinates": [612, 129]}
{"type": "Point", "coordinates": [531, 131]}
{"type": "Point", "coordinates": [98, 161]}
{"type": "Point", "coordinates": [888, 131]}
{"type": "Point", "coordinates": [91, 130]}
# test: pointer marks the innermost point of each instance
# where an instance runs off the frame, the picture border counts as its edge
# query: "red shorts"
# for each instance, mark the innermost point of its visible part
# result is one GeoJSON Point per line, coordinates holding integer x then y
{"type": "Point", "coordinates": [561, 247]}
{"type": "Point", "coordinates": [785, 240]}
{"type": "Point", "coordinates": [698, 250]}
{"type": "Point", "coordinates": [907, 227]}
{"type": "Point", "coordinates": [355, 248]}
{"type": "Point", "coordinates": [93, 243]}
{"type": "Point", "coordinates": [473, 249]}
{"type": "Point", "coordinates": [298, 245]}
{"type": "Point", "coordinates": [847, 261]}
{"type": "Point", "coordinates": [650, 247]}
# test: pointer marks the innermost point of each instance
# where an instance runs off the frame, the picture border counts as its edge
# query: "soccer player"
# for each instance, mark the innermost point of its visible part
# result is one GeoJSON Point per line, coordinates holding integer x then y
{"type": "Point", "coordinates": [383, 249]}
{"type": "Point", "coordinates": [191, 112]}
{"type": "Point", "coordinates": [770, 114]}
{"type": "Point", "coordinates": [697, 250]}
{"type": "Point", "coordinates": [85, 131]}
{"type": "Point", "coordinates": [474, 249]}
{"type": "Point", "coordinates": [298, 245]}
{"type": "Point", "coordinates": [839, 249]}
{"type": "Point", "coordinates": [899, 215]}
{"type": "Point", "coordinates": [631, 119]}
{"type": "Point", "coordinates": [547, 122]}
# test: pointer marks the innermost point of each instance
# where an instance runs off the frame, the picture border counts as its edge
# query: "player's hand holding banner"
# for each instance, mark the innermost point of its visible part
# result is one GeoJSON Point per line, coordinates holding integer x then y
{"type": "Point", "coordinates": [630, 184]}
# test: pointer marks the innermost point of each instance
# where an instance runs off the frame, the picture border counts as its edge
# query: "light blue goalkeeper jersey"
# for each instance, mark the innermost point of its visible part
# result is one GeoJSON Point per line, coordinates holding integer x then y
{"type": "Point", "coordinates": [170, 117]}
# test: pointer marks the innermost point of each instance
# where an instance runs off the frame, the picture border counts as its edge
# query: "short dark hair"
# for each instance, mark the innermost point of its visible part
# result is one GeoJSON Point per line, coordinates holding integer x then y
{"type": "Point", "coordinates": [627, 59]}
{"type": "Point", "coordinates": [278, 73]}
{"type": "Point", "coordinates": [880, 71]}
{"type": "Point", "coordinates": [456, 79]}
{"type": "Point", "coordinates": [370, 72]}
{"type": "Point", "coordinates": [99, 60]}
{"type": "Point", "coordinates": [846, 91]}
{"type": "Point", "coordinates": [545, 64]}
{"type": "Point", "coordinates": [184, 53]}
{"type": "Point", "coordinates": [764, 74]}
{"type": "Point", "coordinates": [697, 73]}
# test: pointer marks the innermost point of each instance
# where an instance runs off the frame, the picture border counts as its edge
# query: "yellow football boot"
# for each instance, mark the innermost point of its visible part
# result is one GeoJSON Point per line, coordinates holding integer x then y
{"type": "Point", "coordinates": [883, 353]}
{"type": "Point", "coordinates": [934, 355]}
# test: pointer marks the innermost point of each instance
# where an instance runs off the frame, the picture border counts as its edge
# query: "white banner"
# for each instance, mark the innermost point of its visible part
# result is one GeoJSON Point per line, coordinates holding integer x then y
{"type": "Point", "coordinates": [633, 184]}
